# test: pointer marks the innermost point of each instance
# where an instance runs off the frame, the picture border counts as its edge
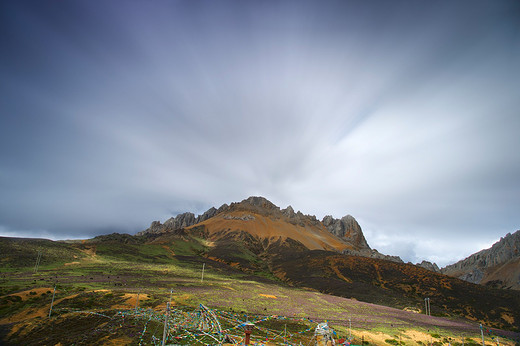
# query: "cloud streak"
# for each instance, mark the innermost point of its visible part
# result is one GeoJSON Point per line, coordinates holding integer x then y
{"type": "Point", "coordinates": [404, 115]}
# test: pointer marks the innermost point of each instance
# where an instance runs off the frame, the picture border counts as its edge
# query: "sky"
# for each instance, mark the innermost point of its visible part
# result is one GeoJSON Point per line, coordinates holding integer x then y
{"type": "Point", "coordinates": [403, 114]}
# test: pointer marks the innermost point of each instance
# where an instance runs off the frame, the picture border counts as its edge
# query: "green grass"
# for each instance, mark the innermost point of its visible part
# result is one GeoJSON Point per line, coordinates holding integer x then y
{"type": "Point", "coordinates": [152, 269]}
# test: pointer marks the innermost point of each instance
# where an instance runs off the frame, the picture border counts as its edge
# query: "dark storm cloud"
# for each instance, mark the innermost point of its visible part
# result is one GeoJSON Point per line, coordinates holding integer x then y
{"type": "Point", "coordinates": [403, 114]}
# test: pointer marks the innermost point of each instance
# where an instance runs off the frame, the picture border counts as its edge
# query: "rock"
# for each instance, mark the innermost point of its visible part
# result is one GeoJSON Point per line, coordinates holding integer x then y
{"type": "Point", "coordinates": [429, 265]}
{"type": "Point", "coordinates": [288, 212]}
{"type": "Point", "coordinates": [346, 227]}
{"type": "Point", "coordinates": [372, 253]}
{"type": "Point", "coordinates": [207, 215]}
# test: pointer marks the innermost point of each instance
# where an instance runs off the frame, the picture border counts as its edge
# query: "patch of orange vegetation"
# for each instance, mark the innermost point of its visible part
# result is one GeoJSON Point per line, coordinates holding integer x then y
{"type": "Point", "coordinates": [335, 268]}
{"type": "Point", "coordinates": [28, 314]}
{"type": "Point", "coordinates": [378, 273]}
{"type": "Point", "coordinates": [90, 251]}
{"type": "Point", "coordinates": [406, 288]}
{"type": "Point", "coordinates": [167, 248]}
{"type": "Point", "coordinates": [314, 238]}
{"type": "Point", "coordinates": [27, 294]}
{"type": "Point", "coordinates": [268, 296]}
{"type": "Point", "coordinates": [508, 317]}
{"type": "Point", "coordinates": [131, 300]}
{"type": "Point", "coordinates": [71, 263]}
{"type": "Point", "coordinates": [182, 298]}
{"type": "Point", "coordinates": [408, 337]}
{"type": "Point", "coordinates": [124, 340]}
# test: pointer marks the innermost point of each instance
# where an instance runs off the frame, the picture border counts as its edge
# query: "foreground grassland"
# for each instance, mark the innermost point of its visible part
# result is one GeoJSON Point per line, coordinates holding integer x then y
{"type": "Point", "coordinates": [112, 294]}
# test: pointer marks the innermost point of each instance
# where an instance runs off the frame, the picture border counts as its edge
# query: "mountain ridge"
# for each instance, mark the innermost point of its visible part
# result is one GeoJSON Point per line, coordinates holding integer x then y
{"type": "Point", "coordinates": [497, 266]}
{"type": "Point", "coordinates": [346, 228]}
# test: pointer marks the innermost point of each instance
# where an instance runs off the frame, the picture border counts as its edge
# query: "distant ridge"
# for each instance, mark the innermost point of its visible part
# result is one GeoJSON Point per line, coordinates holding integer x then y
{"type": "Point", "coordinates": [498, 266]}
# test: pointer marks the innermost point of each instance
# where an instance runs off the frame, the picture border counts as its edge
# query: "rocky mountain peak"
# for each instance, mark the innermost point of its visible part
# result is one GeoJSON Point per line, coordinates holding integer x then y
{"type": "Point", "coordinates": [259, 202]}
{"type": "Point", "coordinates": [429, 265]}
{"type": "Point", "coordinates": [346, 227]}
{"type": "Point", "coordinates": [288, 212]}
{"type": "Point", "coordinates": [491, 264]}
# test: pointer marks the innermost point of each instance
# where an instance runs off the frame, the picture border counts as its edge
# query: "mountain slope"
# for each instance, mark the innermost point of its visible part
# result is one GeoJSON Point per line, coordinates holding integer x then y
{"type": "Point", "coordinates": [398, 285]}
{"type": "Point", "coordinates": [332, 256]}
{"type": "Point", "coordinates": [498, 266]}
{"type": "Point", "coordinates": [261, 218]}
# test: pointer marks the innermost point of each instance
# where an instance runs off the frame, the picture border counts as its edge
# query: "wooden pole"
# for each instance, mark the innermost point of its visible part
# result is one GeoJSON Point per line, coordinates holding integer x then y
{"type": "Point", "coordinates": [165, 324]}
{"type": "Point", "coordinates": [38, 259]}
{"type": "Point", "coordinates": [52, 302]}
{"type": "Point", "coordinates": [202, 277]}
{"type": "Point", "coordinates": [137, 302]}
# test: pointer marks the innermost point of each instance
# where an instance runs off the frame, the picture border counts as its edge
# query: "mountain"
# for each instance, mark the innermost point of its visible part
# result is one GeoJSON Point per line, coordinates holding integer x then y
{"type": "Point", "coordinates": [332, 256]}
{"type": "Point", "coordinates": [498, 266]}
{"type": "Point", "coordinates": [260, 218]}
{"type": "Point", "coordinates": [258, 242]}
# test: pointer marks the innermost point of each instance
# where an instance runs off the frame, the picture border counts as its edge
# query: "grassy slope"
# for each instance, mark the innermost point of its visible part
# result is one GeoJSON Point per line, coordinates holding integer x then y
{"type": "Point", "coordinates": [122, 266]}
{"type": "Point", "coordinates": [399, 285]}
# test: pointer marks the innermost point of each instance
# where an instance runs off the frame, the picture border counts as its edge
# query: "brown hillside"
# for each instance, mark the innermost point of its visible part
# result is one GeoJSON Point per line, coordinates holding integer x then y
{"type": "Point", "coordinates": [313, 237]}
{"type": "Point", "coordinates": [397, 284]}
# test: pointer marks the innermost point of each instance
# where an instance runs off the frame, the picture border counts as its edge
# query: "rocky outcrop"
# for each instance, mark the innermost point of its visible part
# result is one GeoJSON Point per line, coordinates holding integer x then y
{"type": "Point", "coordinates": [373, 253]}
{"type": "Point", "coordinates": [346, 227]}
{"type": "Point", "coordinates": [497, 264]}
{"type": "Point", "coordinates": [181, 221]}
{"type": "Point", "coordinates": [429, 265]}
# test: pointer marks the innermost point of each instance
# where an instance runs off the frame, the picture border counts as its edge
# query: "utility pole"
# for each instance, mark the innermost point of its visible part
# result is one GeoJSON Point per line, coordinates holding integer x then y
{"type": "Point", "coordinates": [202, 277]}
{"type": "Point", "coordinates": [427, 310]}
{"type": "Point", "coordinates": [52, 301]}
{"type": "Point", "coordinates": [38, 259]}
{"type": "Point", "coordinates": [165, 324]}
{"type": "Point", "coordinates": [482, 334]}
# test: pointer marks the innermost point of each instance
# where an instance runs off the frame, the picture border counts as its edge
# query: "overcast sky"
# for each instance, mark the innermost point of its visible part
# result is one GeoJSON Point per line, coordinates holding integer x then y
{"type": "Point", "coordinates": [404, 114]}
